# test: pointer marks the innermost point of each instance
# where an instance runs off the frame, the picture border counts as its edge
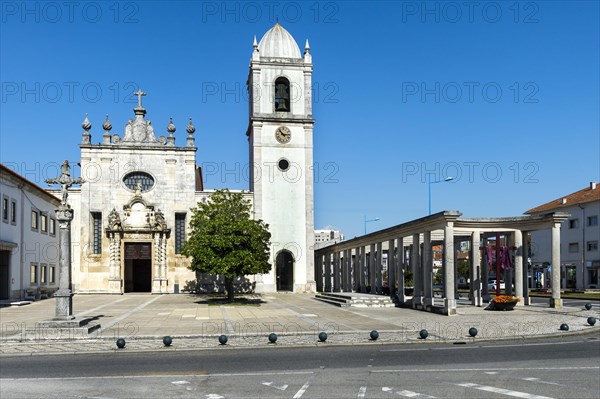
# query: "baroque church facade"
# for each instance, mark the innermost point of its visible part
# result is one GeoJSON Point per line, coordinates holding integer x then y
{"type": "Point", "coordinates": [133, 210]}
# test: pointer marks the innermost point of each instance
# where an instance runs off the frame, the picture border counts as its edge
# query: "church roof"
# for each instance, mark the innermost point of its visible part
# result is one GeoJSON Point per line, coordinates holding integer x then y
{"type": "Point", "coordinates": [278, 43]}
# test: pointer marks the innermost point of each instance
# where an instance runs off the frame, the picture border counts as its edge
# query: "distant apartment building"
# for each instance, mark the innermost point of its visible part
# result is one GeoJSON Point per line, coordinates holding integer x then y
{"type": "Point", "coordinates": [579, 237]}
{"type": "Point", "coordinates": [327, 237]}
{"type": "Point", "coordinates": [28, 238]}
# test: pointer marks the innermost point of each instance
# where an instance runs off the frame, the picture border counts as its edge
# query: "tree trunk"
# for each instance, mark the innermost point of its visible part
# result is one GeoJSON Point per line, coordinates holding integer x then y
{"type": "Point", "coordinates": [229, 288]}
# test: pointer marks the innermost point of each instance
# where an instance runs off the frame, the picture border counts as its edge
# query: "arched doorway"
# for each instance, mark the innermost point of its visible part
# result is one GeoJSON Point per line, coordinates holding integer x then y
{"type": "Point", "coordinates": [284, 269]}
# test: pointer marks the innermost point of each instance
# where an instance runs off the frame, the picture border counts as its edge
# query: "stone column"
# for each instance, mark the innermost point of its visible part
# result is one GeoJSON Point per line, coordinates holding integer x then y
{"type": "Point", "coordinates": [518, 242]}
{"type": "Point", "coordinates": [336, 271]}
{"type": "Point", "coordinates": [400, 263]}
{"type": "Point", "coordinates": [556, 301]}
{"type": "Point", "coordinates": [373, 270]}
{"type": "Point", "coordinates": [475, 285]}
{"type": "Point", "coordinates": [348, 270]}
{"type": "Point", "coordinates": [114, 275]}
{"type": "Point", "coordinates": [525, 275]}
{"type": "Point", "coordinates": [449, 301]}
{"type": "Point", "coordinates": [427, 269]}
{"type": "Point", "coordinates": [356, 269]}
{"type": "Point", "coordinates": [163, 265]}
{"type": "Point", "coordinates": [319, 272]}
{"type": "Point", "coordinates": [379, 267]}
{"type": "Point", "coordinates": [156, 264]}
{"type": "Point", "coordinates": [415, 261]}
{"type": "Point", "coordinates": [327, 273]}
{"type": "Point", "coordinates": [64, 295]}
{"type": "Point", "coordinates": [391, 277]}
{"type": "Point", "coordinates": [485, 272]}
{"type": "Point", "coordinates": [362, 269]}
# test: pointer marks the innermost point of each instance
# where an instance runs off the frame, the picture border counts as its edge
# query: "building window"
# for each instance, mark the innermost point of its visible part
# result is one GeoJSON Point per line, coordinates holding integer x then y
{"type": "Point", "coordinates": [574, 223]}
{"type": "Point", "coordinates": [282, 95]}
{"type": "Point", "coordinates": [143, 180]}
{"type": "Point", "coordinates": [13, 212]}
{"type": "Point", "coordinates": [179, 231]}
{"type": "Point", "coordinates": [33, 274]}
{"type": "Point", "coordinates": [592, 220]}
{"type": "Point", "coordinates": [52, 226]}
{"type": "Point", "coordinates": [574, 247]}
{"type": "Point", "coordinates": [97, 232]}
{"type": "Point", "coordinates": [5, 209]}
{"type": "Point", "coordinates": [592, 246]}
{"type": "Point", "coordinates": [43, 271]}
{"type": "Point", "coordinates": [52, 274]}
{"type": "Point", "coordinates": [34, 219]}
{"type": "Point", "coordinates": [44, 223]}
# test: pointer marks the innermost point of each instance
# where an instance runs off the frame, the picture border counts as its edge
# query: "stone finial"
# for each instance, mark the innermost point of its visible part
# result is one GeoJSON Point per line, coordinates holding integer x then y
{"type": "Point", "coordinates": [255, 44]}
{"type": "Point", "coordinates": [107, 125]}
{"type": "Point", "coordinates": [171, 127]}
{"type": "Point", "coordinates": [306, 47]}
{"type": "Point", "coordinates": [190, 127]}
{"type": "Point", "coordinates": [86, 125]}
{"type": "Point", "coordinates": [86, 137]}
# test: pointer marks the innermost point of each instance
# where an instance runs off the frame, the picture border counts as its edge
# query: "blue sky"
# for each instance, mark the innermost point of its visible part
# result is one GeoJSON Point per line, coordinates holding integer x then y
{"type": "Point", "coordinates": [502, 96]}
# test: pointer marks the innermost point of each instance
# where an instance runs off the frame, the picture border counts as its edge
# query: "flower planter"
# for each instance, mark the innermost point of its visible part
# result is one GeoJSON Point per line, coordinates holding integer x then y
{"type": "Point", "coordinates": [502, 305]}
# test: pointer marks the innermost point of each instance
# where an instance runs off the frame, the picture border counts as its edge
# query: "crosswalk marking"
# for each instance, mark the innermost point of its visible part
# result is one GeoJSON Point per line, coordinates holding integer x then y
{"type": "Point", "coordinates": [534, 379]}
{"type": "Point", "coordinates": [361, 393]}
{"type": "Point", "coordinates": [408, 394]}
{"type": "Point", "coordinates": [503, 391]}
{"type": "Point", "coordinates": [301, 391]}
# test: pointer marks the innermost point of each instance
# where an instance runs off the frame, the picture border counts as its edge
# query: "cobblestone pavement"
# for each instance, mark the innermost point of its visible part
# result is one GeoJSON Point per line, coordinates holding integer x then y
{"type": "Point", "coordinates": [194, 323]}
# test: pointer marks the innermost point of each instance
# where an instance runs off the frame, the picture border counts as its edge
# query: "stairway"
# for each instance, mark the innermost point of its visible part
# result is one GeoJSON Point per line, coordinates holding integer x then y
{"type": "Point", "coordinates": [356, 300]}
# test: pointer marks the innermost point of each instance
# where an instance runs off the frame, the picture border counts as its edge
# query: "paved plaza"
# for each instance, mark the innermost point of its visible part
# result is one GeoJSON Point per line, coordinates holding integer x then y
{"type": "Point", "coordinates": [195, 322]}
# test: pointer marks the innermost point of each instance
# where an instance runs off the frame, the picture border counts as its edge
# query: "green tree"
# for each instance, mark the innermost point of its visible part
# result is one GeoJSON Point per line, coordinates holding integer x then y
{"type": "Point", "coordinates": [225, 240]}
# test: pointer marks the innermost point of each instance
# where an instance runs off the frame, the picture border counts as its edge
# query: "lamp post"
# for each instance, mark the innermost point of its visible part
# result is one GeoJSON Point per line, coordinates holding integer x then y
{"type": "Point", "coordinates": [429, 183]}
{"type": "Point", "coordinates": [367, 221]}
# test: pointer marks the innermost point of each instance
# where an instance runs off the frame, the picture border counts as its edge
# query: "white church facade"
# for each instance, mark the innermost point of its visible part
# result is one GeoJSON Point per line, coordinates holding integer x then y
{"type": "Point", "coordinates": [133, 210]}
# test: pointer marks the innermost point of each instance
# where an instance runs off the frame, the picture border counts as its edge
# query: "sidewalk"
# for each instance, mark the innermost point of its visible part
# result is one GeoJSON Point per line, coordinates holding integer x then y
{"type": "Point", "coordinates": [143, 320]}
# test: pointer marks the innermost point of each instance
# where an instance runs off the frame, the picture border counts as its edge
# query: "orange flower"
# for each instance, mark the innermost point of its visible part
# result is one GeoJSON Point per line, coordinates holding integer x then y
{"type": "Point", "coordinates": [505, 299]}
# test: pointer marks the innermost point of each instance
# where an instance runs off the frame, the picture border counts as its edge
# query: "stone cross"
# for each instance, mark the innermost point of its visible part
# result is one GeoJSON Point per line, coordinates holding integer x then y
{"type": "Point", "coordinates": [139, 95]}
{"type": "Point", "coordinates": [65, 180]}
{"type": "Point", "coordinates": [64, 216]}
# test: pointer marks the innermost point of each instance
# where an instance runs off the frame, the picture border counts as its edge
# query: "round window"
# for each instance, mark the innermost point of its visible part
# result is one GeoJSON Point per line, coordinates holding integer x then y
{"type": "Point", "coordinates": [142, 180]}
{"type": "Point", "coordinates": [284, 164]}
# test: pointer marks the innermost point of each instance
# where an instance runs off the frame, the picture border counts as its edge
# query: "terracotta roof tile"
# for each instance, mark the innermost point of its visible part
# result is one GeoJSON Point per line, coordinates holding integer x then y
{"type": "Point", "coordinates": [578, 197]}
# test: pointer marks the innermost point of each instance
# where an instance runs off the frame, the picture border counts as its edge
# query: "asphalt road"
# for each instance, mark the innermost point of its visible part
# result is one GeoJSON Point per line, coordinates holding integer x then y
{"type": "Point", "coordinates": [552, 368]}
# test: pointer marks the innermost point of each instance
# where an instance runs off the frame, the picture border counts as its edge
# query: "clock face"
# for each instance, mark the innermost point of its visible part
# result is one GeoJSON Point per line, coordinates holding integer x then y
{"type": "Point", "coordinates": [283, 134]}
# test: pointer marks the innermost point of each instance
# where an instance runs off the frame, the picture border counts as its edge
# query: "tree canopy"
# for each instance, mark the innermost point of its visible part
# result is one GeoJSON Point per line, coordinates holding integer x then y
{"type": "Point", "coordinates": [224, 238]}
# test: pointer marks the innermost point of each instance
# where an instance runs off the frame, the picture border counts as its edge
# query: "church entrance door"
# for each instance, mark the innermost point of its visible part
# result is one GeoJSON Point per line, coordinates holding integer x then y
{"type": "Point", "coordinates": [138, 267]}
{"type": "Point", "coordinates": [284, 268]}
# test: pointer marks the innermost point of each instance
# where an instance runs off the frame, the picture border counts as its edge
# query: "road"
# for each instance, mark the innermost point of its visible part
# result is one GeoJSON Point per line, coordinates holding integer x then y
{"type": "Point", "coordinates": [551, 368]}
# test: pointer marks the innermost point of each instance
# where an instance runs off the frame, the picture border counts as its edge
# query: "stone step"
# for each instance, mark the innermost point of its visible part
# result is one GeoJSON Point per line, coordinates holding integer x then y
{"type": "Point", "coordinates": [331, 302]}
{"type": "Point", "coordinates": [354, 300]}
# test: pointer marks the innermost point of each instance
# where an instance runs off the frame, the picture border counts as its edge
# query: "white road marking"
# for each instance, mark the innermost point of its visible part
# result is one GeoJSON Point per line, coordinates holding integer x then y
{"type": "Point", "coordinates": [110, 377]}
{"type": "Point", "coordinates": [503, 391]}
{"type": "Point", "coordinates": [491, 369]}
{"type": "Point", "coordinates": [182, 382]}
{"type": "Point", "coordinates": [491, 372]}
{"type": "Point", "coordinates": [411, 394]}
{"type": "Point", "coordinates": [214, 396]}
{"type": "Point", "coordinates": [534, 379]}
{"type": "Point", "coordinates": [387, 389]}
{"type": "Point", "coordinates": [361, 393]}
{"type": "Point", "coordinates": [280, 387]}
{"type": "Point", "coordinates": [301, 391]}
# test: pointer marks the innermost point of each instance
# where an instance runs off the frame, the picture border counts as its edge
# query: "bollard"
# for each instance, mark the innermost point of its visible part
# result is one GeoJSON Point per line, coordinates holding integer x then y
{"type": "Point", "coordinates": [423, 334]}
{"type": "Point", "coordinates": [588, 306]}
{"type": "Point", "coordinates": [322, 336]}
{"type": "Point", "coordinates": [272, 338]}
{"type": "Point", "coordinates": [120, 343]}
{"type": "Point", "coordinates": [472, 332]}
{"type": "Point", "coordinates": [167, 341]}
{"type": "Point", "coordinates": [591, 320]}
{"type": "Point", "coordinates": [223, 339]}
{"type": "Point", "coordinates": [374, 335]}
{"type": "Point", "coordinates": [564, 327]}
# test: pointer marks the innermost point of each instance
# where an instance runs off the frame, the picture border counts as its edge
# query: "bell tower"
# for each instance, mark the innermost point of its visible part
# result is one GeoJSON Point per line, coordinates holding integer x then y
{"type": "Point", "coordinates": [280, 136]}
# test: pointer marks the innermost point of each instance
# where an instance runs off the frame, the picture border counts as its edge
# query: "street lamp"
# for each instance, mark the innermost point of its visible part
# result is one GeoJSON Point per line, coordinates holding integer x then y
{"type": "Point", "coordinates": [429, 182]}
{"type": "Point", "coordinates": [367, 221]}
